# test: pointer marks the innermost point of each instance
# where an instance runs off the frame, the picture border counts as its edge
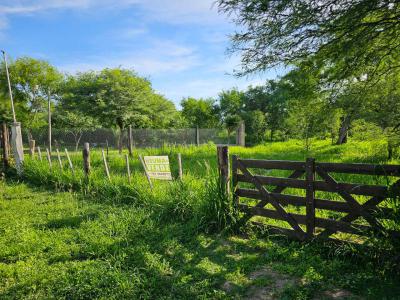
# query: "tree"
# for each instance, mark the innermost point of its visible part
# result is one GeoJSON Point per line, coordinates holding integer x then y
{"type": "Point", "coordinates": [383, 102]}
{"type": "Point", "coordinates": [200, 113]}
{"type": "Point", "coordinates": [162, 112]}
{"type": "Point", "coordinates": [355, 36]}
{"type": "Point", "coordinates": [75, 123]}
{"type": "Point", "coordinates": [255, 126]}
{"type": "Point", "coordinates": [33, 82]}
{"type": "Point", "coordinates": [308, 106]}
{"type": "Point", "coordinates": [271, 99]}
{"type": "Point", "coordinates": [231, 108]}
{"type": "Point", "coordinates": [114, 97]}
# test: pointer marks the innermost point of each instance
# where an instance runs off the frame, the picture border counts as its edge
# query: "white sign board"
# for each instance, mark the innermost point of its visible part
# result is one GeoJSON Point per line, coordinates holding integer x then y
{"type": "Point", "coordinates": [157, 167]}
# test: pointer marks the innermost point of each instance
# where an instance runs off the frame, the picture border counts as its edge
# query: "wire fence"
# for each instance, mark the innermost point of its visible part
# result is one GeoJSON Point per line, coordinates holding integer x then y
{"type": "Point", "coordinates": [141, 138]}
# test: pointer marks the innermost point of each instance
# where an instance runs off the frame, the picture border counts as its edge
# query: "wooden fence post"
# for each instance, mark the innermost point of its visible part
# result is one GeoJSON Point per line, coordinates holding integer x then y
{"type": "Point", "coordinates": [32, 148]}
{"type": "Point", "coordinates": [5, 145]}
{"type": "Point", "coordinates": [130, 140]}
{"type": "Point", "coordinates": [106, 165]}
{"type": "Point", "coordinates": [48, 157]}
{"type": "Point", "coordinates": [145, 172]}
{"type": "Point", "coordinates": [39, 153]}
{"type": "Point", "coordinates": [223, 167]}
{"type": "Point", "coordinates": [197, 136]}
{"type": "Point", "coordinates": [241, 135]}
{"type": "Point", "coordinates": [310, 197]}
{"type": "Point", "coordinates": [86, 159]}
{"type": "Point", "coordinates": [234, 179]}
{"type": "Point", "coordinates": [59, 159]}
{"type": "Point", "coordinates": [128, 169]}
{"type": "Point", "coordinates": [180, 167]}
{"type": "Point", "coordinates": [71, 166]}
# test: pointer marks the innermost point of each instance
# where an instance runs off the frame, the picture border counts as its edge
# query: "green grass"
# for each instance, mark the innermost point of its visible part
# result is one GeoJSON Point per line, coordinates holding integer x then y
{"type": "Point", "coordinates": [61, 239]}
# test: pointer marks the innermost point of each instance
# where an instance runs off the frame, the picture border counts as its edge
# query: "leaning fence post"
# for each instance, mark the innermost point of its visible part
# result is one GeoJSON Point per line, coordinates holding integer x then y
{"type": "Point", "coordinates": [31, 148]}
{"type": "Point", "coordinates": [105, 165]}
{"type": "Point", "coordinates": [59, 159]}
{"type": "Point", "coordinates": [39, 153]}
{"type": "Point", "coordinates": [5, 145]}
{"type": "Point", "coordinates": [180, 166]}
{"type": "Point", "coordinates": [310, 197]}
{"type": "Point", "coordinates": [86, 159]}
{"type": "Point", "coordinates": [128, 169]}
{"type": "Point", "coordinates": [145, 172]}
{"type": "Point", "coordinates": [49, 157]}
{"type": "Point", "coordinates": [223, 167]}
{"type": "Point", "coordinates": [71, 166]}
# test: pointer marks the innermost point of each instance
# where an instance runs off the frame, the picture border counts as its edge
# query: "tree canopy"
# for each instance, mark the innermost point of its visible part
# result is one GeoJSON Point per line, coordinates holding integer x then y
{"type": "Point", "coordinates": [348, 37]}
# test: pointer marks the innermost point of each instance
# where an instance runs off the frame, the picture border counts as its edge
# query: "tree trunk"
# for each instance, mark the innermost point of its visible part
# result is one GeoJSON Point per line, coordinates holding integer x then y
{"type": "Point", "coordinates": [77, 140]}
{"type": "Point", "coordinates": [344, 130]}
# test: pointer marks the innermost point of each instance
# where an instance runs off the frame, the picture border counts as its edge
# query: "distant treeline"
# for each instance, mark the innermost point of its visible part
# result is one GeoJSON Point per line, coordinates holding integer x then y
{"type": "Point", "coordinates": [298, 105]}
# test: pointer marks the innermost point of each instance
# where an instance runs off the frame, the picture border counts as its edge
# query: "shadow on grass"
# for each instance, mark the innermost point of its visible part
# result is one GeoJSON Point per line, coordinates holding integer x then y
{"type": "Point", "coordinates": [70, 222]}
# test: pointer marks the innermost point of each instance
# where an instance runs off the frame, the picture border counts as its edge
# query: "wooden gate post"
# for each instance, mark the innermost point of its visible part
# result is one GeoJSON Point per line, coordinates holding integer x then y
{"type": "Point", "coordinates": [32, 148]}
{"type": "Point", "coordinates": [86, 159]}
{"type": "Point", "coordinates": [223, 167]}
{"type": "Point", "coordinates": [5, 145]}
{"type": "Point", "coordinates": [310, 197]}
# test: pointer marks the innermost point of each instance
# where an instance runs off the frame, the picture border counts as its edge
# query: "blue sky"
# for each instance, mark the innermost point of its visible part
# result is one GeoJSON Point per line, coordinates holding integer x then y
{"type": "Point", "coordinates": [180, 45]}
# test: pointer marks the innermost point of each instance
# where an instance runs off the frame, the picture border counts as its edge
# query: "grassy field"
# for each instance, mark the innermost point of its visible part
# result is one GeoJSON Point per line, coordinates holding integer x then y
{"type": "Point", "coordinates": [61, 238]}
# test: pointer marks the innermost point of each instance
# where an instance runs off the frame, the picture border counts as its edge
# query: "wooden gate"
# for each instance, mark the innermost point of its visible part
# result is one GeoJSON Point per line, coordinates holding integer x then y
{"type": "Point", "coordinates": [311, 177]}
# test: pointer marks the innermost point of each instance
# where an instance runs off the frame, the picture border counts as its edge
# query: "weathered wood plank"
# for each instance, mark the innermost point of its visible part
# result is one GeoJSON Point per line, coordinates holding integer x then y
{"type": "Point", "coordinates": [366, 169]}
{"type": "Point", "coordinates": [273, 164]}
{"type": "Point", "coordinates": [357, 207]}
{"type": "Point", "coordinates": [319, 185]}
{"type": "Point", "coordinates": [288, 218]}
{"type": "Point", "coordinates": [336, 225]}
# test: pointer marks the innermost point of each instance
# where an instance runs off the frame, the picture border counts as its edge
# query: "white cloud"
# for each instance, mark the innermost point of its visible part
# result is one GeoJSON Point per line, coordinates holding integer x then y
{"type": "Point", "coordinates": [161, 57]}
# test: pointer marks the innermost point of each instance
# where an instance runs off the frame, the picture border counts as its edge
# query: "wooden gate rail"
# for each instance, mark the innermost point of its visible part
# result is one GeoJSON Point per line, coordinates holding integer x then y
{"type": "Point", "coordinates": [368, 210]}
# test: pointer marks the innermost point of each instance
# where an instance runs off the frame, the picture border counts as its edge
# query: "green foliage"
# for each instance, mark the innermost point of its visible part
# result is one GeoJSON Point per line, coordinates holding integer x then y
{"type": "Point", "coordinates": [255, 126]}
{"type": "Point", "coordinates": [365, 131]}
{"type": "Point", "coordinates": [116, 98]}
{"type": "Point", "coordinates": [347, 37]}
{"type": "Point", "coordinates": [199, 112]}
{"type": "Point", "coordinates": [33, 81]}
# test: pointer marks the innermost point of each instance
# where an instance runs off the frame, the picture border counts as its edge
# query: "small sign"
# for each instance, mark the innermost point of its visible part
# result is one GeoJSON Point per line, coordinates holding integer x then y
{"type": "Point", "coordinates": [157, 167]}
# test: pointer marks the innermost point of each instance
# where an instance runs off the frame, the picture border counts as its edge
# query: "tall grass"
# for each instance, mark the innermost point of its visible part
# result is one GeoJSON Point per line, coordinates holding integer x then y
{"type": "Point", "coordinates": [119, 240]}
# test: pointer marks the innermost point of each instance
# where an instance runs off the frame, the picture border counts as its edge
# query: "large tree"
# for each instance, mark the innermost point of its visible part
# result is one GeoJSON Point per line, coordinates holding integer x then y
{"type": "Point", "coordinates": [115, 97]}
{"type": "Point", "coordinates": [355, 36]}
{"type": "Point", "coordinates": [200, 113]}
{"type": "Point", "coordinates": [33, 83]}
